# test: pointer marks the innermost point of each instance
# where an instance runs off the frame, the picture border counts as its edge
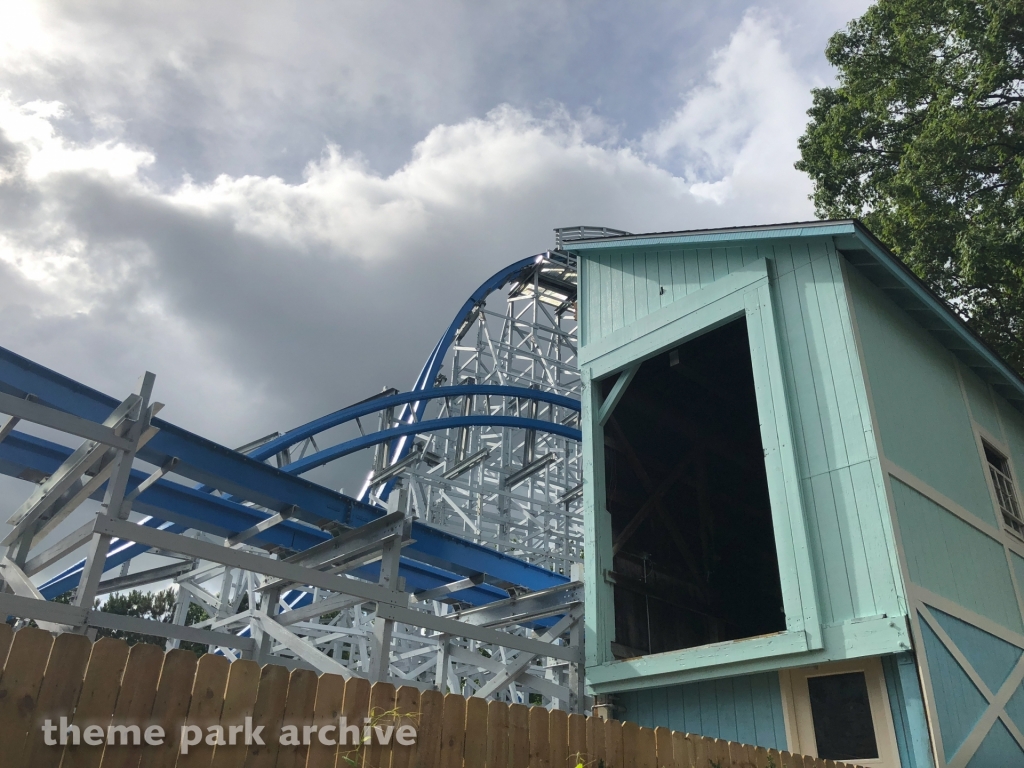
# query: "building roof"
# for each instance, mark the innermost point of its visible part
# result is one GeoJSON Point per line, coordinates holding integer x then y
{"type": "Point", "coordinates": [864, 251]}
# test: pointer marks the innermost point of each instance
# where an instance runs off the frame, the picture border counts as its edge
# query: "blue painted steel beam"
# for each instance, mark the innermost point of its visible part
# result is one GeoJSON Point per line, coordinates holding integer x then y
{"type": "Point", "coordinates": [365, 408]}
{"type": "Point", "coordinates": [189, 508]}
{"type": "Point", "coordinates": [208, 463]}
{"type": "Point", "coordinates": [327, 455]}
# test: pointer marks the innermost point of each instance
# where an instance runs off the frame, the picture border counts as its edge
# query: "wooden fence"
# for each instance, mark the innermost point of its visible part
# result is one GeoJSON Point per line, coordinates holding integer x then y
{"type": "Point", "coordinates": [107, 683]}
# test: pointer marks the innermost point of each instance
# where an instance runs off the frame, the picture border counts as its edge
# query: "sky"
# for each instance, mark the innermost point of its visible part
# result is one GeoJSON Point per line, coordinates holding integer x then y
{"type": "Point", "coordinates": [278, 207]}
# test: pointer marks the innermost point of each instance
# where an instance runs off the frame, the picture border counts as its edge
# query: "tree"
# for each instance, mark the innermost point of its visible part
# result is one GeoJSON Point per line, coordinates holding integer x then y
{"type": "Point", "coordinates": [923, 139]}
{"type": "Point", "coordinates": [157, 606]}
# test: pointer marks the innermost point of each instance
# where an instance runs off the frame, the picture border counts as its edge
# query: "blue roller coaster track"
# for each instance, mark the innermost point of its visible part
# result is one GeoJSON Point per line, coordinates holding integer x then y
{"type": "Point", "coordinates": [435, 558]}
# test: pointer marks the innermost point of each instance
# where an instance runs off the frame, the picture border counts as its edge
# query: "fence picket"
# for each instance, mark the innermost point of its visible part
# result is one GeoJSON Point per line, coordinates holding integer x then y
{"type": "Point", "coordinates": [475, 752]}
{"type": "Point", "coordinates": [382, 703]}
{"type": "Point", "coordinates": [613, 743]}
{"type": "Point", "coordinates": [134, 702]}
{"type": "Point", "coordinates": [173, 694]}
{"type": "Point", "coordinates": [630, 738]}
{"type": "Point", "coordinates": [518, 736]}
{"type": "Point", "coordinates": [646, 749]}
{"type": "Point", "coordinates": [268, 712]}
{"type": "Point", "coordinates": [595, 742]}
{"type": "Point", "coordinates": [497, 735]}
{"type": "Point", "coordinates": [682, 751]}
{"type": "Point", "coordinates": [297, 710]}
{"type": "Point", "coordinates": [407, 704]}
{"type": "Point", "coordinates": [327, 708]}
{"type": "Point", "coordinates": [42, 678]}
{"type": "Point", "coordinates": [540, 754]}
{"type": "Point", "coordinates": [558, 738]}
{"type": "Point", "coordinates": [239, 700]}
{"type": "Point", "coordinates": [665, 747]}
{"type": "Point", "coordinates": [204, 709]}
{"type": "Point", "coordinates": [58, 694]}
{"type": "Point", "coordinates": [355, 709]}
{"type": "Point", "coordinates": [453, 730]}
{"type": "Point", "coordinates": [577, 741]}
{"type": "Point", "coordinates": [97, 700]}
{"type": "Point", "coordinates": [19, 689]}
{"type": "Point", "coordinates": [428, 748]}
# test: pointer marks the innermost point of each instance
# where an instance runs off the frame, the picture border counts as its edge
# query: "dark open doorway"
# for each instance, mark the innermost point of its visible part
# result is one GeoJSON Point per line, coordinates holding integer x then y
{"type": "Point", "coordinates": [695, 559]}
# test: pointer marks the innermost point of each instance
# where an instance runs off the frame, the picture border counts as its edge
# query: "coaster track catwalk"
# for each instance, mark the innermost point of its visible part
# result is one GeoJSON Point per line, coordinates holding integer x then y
{"type": "Point", "coordinates": [453, 569]}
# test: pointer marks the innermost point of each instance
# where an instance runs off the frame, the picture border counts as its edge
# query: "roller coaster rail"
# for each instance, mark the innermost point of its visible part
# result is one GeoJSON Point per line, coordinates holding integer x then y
{"type": "Point", "coordinates": [454, 568]}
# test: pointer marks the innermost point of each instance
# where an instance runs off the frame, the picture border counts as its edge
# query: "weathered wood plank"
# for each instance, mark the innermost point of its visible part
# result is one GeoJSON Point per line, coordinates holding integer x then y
{"type": "Point", "coordinates": [298, 710]}
{"type": "Point", "coordinates": [381, 709]}
{"type": "Point", "coordinates": [327, 708]}
{"type": "Point", "coordinates": [355, 709]}
{"type": "Point", "coordinates": [268, 711]}
{"type": "Point", "coordinates": [518, 736]}
{"type": "Point", "coordinates": [428, 747]}
{"type": "Point", "coordinates": [453, 731]}
{"type": "Point", "coordinates": [613, 743]}
{"type": "Point", "coordinates": [19, 690]}
{"type": "Point", "coordinates": [498, 733]}
{"type": "Point", "coordinates": [134, 702]}
{"type": "Point", "coordinates": [558, 738]}
{"type": "Point", "coordinates": [595, 741]}
{"type": "Point", "coordinates": [58, 695]}
{"type": "Point", "coordinates": [539, 750]}
{"type": "Point", "coordinates": [646, 748]}
{"type": "Point", "coordinates": [630, 745]}
{"type": "Point", "coordinates": [173, 694]}
{"type": "Point", "coordinates": [475, 751]}
{"type": "Point", "coordinates": [205, 708]}
{"type": "Point", "coordinates": [97, 699]}
{"type": "Point", "coordinates": [239, 700]}
{"type": "Point", "coordinates": [407, 705]}
{"type": "Point", "coordinates": [577, 740]}
{"type": "Point", "coordinates": [665, 747]}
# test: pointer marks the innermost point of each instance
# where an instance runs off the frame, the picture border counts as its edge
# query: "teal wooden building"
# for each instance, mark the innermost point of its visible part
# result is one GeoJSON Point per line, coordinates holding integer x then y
{"type": "Point", "coordinates": [804, 527]}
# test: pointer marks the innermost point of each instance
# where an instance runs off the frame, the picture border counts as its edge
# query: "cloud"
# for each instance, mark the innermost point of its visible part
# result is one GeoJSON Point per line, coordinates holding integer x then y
{"type": "Point", "coordinates": [262, 301]}
{"type": "Point", "coordinates": [735, 134]}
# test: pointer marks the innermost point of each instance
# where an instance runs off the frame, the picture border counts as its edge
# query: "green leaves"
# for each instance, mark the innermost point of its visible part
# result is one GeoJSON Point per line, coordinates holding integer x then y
{"type": "Point", "coordinates": [923, 139]}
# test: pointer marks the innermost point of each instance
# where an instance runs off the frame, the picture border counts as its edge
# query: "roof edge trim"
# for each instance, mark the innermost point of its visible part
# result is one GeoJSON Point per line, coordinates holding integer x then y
{"type": "Point", "coordinates": [735, 234]}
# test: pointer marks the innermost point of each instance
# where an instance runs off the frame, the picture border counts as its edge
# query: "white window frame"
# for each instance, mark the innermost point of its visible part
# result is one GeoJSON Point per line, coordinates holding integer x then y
{"type": "Point", "coordinates": [984, 437]}
{"type": "Point", "coordinates": [800, 722]}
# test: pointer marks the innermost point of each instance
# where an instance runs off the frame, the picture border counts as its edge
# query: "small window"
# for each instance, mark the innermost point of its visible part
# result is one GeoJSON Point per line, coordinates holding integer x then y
{"type": "Point", "coordinates": [1002, 482]}
{"type": "Point", "coordinates": [841, 712]}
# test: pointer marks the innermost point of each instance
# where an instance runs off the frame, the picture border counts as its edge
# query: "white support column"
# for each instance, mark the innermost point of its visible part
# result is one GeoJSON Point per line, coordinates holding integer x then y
{"type": "Point", "coordinates": [114, 498]}
{"type": "Point", "coordinates": [268, 607]}
{"type": "Point", "coordinates": [180, 615]}
{"type": "Point", "coordinates": [444, 654]}
{"type": "Point", "coordinates": [391, 555]}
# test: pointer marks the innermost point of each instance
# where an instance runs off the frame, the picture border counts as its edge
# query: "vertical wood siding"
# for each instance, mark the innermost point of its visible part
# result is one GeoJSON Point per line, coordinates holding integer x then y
{"type": "Point", "coordinates": [622, 286]}
{"type": "Point", "coordinates": [855, 566]}
{"type": "Point", "coordinates": [856, 573]}
{"type": "Point", "coordinates": [747, 709]}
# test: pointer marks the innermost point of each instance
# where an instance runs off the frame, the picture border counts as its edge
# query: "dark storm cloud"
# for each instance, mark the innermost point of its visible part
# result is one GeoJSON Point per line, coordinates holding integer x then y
{"type": "Point", "coordinates": [278, 210]}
